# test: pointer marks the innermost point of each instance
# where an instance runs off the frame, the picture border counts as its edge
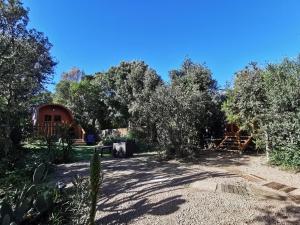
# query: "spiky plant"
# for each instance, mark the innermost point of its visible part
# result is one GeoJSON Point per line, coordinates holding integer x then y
{"type": "Point", "coordinates": [95, 181]}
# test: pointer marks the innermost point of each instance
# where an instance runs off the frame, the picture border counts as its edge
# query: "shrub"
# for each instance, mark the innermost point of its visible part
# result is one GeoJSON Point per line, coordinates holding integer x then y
{"type": "Point", "coordinates": [72, 204]}
{"type": "Point", "coordinates": [60, 151]}
{"type": "Point", "coordinates": [288, 157]}
{"type": "Point", "coordinates": [110, 139]}
{"type": "Point", "coordinates": [30, 204]}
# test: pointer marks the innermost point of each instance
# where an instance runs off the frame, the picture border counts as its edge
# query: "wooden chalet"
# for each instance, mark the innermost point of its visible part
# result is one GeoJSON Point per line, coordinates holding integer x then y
{"type": "Point", "coordinates": [47, 119]}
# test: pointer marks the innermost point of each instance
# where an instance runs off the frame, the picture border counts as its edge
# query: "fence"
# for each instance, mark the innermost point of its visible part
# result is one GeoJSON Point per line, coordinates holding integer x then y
{"type": "Point", "coordinates": [51, 129]}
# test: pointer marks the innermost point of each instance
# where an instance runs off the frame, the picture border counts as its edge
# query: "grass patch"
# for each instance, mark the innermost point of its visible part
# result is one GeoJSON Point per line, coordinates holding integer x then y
{"type": "Point", "coordinates": [84, 153]}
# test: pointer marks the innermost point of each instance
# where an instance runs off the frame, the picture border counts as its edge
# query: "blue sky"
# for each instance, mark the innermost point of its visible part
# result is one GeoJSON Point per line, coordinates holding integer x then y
{"type": "Point", "coordinates": [225, 34]}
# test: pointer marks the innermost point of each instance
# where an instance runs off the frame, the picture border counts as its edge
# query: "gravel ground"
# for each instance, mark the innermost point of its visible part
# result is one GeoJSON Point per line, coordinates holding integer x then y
{"type": "Point", "coordinates": [143, 191]}
{"type": "Point", "coordinates": [259, 166]}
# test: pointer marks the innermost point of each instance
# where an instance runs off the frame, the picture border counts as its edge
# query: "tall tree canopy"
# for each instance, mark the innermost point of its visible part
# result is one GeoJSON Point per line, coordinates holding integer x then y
{"type": "Point", "coordinates": [109, 99]}
{"type": "Point", "coordinates": [74, 74]}
{"type": "Point", "coordinates": [184, 110]}
{"type": "Point", "coordinates": [179, 115]}
{"type": "Point", "coordinates": [266, 102]}
{"type": "Point", "coordinates": [26, 64]}
{"type": "Point", "coordinates": [132, 84]}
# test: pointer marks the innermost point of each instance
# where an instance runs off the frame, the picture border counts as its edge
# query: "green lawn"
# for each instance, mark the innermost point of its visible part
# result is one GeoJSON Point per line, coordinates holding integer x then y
{"type": "Point", "coordinates": [82, 153]}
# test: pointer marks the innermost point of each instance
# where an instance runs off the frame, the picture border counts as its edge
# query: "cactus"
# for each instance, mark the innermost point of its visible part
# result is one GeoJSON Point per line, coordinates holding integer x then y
{"type": "Point", "coordinates": [95, 180]}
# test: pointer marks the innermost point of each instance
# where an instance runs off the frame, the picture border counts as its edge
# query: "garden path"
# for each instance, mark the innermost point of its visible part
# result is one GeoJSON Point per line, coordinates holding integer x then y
{"type": "Point", "coordinates": [142, 190]}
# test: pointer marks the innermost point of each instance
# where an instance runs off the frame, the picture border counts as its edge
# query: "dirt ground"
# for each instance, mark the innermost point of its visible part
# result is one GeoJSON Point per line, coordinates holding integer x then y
{"type": "Point", "coordinates": [219, 189]}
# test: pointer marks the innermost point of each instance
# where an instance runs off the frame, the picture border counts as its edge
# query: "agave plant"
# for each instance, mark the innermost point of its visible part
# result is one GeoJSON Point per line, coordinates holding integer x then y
{"type": "Point", "coordinates": [28, 203]}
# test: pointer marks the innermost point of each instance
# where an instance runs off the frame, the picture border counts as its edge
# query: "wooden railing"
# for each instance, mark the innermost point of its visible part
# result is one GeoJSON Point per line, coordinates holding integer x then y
{"type": "Point", "coordinates": [246, 144]}
{"type": "Point", "coordinates": [237, 136]}
{"type": "Point", "coordinates": [49, 129]}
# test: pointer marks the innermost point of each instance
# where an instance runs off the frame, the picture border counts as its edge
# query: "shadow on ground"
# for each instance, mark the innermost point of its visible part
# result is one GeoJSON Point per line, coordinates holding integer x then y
{"type": "Point", "coordinates": [129, 184]}
{"type": "Point", "coordinates": [289, 215]}
{"type": "Point", "coordinates": [141, 186]}
{"type": "Point", "coordinates": [221, 158]}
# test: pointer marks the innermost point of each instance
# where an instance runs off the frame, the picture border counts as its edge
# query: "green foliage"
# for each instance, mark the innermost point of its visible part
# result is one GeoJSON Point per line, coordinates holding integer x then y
{"type": "Point", "coordinates": [245, 103]}
{"type": "Point", "coordinates": [111, 99]}
{"type": "Point", "coordinates": [95, 181]}
{"type": "Point", "coordinates": [14, 175]}
{"type": "Point", "coordinates": [63, 93]}
{"type": "Point", "coordinates": [28, 204]}
{"type": "Point", "coordinates": [110, 139]}
{"type": "Point", "coordinates": [184, 110]}
{"type": "Point", "coordinates": [59, 148]}
{"type": "Point", "coordinates": [65, 142]}
{"type": "Point", "coordinates": [25, 66]}
{"type": "Point", "coordinates": [44, 97]}
{"type": "Point", "coordinates": [287, 156]}
{"type": "Point", "coordinates": [266, 102]}
{"type": "Point", "coordinates": [132, 94]}
{"type": "Point", "coordinates": [89, 103]}
{"type": "Point", "coordinates": [72, 205]}
{"type": "Point", "coordinates": [132, 84]}
{"type": "Point", "coordinates": [87, 99]}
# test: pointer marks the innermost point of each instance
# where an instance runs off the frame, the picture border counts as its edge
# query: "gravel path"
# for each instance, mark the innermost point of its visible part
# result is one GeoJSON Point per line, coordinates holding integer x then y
{"type": "Point", "coordinates": [143, 191]}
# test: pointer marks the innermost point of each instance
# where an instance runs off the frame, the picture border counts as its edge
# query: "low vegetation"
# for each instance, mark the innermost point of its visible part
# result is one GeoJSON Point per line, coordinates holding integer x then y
{"type": "Point", "coordinates": [176, 117]}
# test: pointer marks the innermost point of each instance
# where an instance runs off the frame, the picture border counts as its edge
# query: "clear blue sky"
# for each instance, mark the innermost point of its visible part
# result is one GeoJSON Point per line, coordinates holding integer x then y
{"type": "Point", "coordinates": [225, 34]}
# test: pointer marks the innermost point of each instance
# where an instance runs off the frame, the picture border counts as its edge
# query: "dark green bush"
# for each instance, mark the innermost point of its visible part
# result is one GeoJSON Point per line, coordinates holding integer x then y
{"type": "Point", "coordinates": [29, 204]}
{"type": "Point", "coordinates": [109, 140]}
{"type": "Point", "coordinates": [287, 156]}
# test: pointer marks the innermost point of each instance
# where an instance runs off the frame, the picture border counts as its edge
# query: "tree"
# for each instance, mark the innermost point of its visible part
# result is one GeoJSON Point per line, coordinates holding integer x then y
{"type": "Point", "coordinates": [63, 87]}
{"type": "Point", "coordinates": [246, 103]}
{"type": "Point", "coordinates": [131, 84]}
{"type": "Point", "coordinates": [44, 97]}
{"type": "Point", "coordinates": [266, 102]}
{"type": "Point", "coordinates": [88, 103]}
{"type": "Point", "coordinates": [63, 93]}
{"type": "Point", "coordinates": [282, 126]}
{"type": "Point", "coordinates": [25, 65]}
{"type": "Point", "coordinates": [186, 108]}
{"type": "Point", "coordinates": [88, 99]}
{"type": "Point", "coordinates": [74, 74]}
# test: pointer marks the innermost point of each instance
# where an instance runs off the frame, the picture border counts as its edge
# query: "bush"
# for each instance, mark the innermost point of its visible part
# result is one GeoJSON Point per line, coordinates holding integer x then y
{"type": "Point", "coordinates": [29, 205]}
{"type": "Point", "coordinates": [72, 204]}
{"type": "Point", "coordinates": [110, 139]}
{"type": "Point", "coordinates": [77, 204]}
{"type": "Point", "coordinates": [288, 157]}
